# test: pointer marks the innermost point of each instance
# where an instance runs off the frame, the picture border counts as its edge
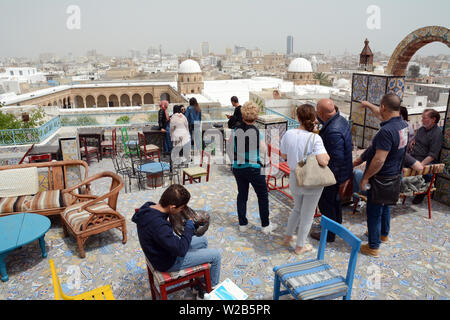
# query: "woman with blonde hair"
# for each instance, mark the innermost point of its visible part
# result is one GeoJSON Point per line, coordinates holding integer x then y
{"type": "Point", "coordinates": [293, 146]}
{"type": "Point", "coordinates": [248, 144]}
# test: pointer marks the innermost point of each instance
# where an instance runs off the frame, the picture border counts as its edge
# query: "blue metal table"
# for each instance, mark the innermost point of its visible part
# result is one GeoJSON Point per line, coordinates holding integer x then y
{"type": "Point", "coordinates": [154, 171]}
{"type": "Point", "coordinates": [18, 230]}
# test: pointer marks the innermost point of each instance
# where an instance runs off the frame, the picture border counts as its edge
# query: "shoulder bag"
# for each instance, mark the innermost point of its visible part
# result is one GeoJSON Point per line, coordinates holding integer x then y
{"type": "Point", "coordinates": [308, 172]}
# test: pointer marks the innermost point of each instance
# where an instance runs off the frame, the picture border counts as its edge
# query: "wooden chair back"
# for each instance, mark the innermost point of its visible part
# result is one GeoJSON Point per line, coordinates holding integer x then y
{"type": "Point", "coordinates": [57, 171]}
{"type": "Point", "coordinates": [40, 158]}
{"type": "Point", "coordinates": [102, 293]}
{"type": "Point", "coordinates": [114, 141]}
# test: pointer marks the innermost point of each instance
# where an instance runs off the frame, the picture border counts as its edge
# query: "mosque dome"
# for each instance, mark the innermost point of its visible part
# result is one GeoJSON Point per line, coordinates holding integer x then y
{"type": "Point", "coordinates": [189, 66]}
{"type": "Point", "coordinates": [300, 65]}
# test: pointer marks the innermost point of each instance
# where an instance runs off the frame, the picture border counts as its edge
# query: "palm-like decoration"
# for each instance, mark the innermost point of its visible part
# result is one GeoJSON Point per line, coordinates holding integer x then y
{"type": "Point", "coordinates": [323, 79]}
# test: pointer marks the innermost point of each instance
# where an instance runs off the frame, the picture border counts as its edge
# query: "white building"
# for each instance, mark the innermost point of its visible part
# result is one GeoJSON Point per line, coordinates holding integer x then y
{"type": "Point", "coordinates": [24, 74]}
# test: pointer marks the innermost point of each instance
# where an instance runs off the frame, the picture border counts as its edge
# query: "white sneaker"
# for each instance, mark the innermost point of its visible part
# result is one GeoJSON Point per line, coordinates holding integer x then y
{"type": "Point", "coordinates": [269, 228]}
{"type": "Point", "coordinates": [243, 228]}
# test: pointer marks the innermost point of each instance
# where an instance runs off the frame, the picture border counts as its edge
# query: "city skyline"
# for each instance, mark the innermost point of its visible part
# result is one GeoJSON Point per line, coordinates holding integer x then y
{"type": "Point", "coordinates": [114, 28]}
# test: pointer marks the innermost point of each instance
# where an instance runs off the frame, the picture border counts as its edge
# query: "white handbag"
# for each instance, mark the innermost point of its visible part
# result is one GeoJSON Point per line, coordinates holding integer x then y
{"type": "Point", "coordinates": [308, 172]}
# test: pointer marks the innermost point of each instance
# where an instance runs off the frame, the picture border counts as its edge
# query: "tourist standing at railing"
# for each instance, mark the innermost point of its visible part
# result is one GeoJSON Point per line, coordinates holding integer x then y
{"type": "Point", "coordinates": [194, 117]}
{"type": "Point", "coordinates": [179, 134]}
{"type": "Point", "coordinates": [292, 148]}
{"type": "Point", "coordinates": [337, 139]}
{"type": "Point", "coordinates": [164, 124]}
{"type": "Point", "coordinates": [247, 143]}
{"type": "Point", "coordinates": [236, 119]}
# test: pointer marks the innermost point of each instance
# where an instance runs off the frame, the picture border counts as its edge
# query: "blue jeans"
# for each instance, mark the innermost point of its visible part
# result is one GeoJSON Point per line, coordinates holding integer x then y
{"type": "Point", "coordinates": [167, 141]}
{"type": "Point", "coordinates": [378, 222]}
{"type": "Point", "coordinates": [244, 177]}
{"type": "Point", "coordinates": [198, 254]}
{"type": "Point", "coordinates": [357, 177]}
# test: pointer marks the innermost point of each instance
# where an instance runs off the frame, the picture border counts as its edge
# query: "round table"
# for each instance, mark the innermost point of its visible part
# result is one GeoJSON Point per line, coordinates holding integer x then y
{"type": "Point", "coordinates": [154, 171]}
{"type": "Point", "coordinates": [18, 230]}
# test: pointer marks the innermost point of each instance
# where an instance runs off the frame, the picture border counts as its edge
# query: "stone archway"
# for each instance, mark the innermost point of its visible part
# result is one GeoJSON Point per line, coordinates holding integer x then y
{"type": "Point", "coordinates": [102, 102]}
{"type": "Point", "coordinates": [148, 98]}
{"type": "Point", "coordinates": [79, 102]}
{"type": "Point", "coordinates": [136, 100]}
{"type": "Point", "coordinates": [125, 100]}
{"type": "Point", "coordinates": [90, 102]}
{"type": "Point", "coordinates": [414, 41]}
{"type": "Point", "coordinates": [113, 101]}
{"type": "Point", "coordinates": [164, 96]}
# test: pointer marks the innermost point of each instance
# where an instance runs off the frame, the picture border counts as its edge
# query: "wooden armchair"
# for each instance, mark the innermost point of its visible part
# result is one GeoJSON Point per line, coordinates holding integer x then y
{"type": "Point", "coordinates": [90, 214]}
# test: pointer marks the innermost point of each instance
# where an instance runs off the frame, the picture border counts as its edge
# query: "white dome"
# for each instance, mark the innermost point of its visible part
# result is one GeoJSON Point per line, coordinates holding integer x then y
{"type": "Point", "coordinates": [300, 65]}
{"type": "Point", "coordinates": [342, 84]}
{"type": "Point", "coordinates": [189, 66]}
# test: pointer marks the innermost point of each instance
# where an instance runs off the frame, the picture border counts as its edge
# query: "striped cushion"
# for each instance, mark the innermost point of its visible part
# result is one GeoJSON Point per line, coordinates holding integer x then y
{"type": "Point", "coordinates": [49, 199]}
{"type": "Point", "coordinates": [195, 171]}
{"type": "Point", "coordinates": [150, 148]}
{"type": "Point", "coordinates": [163, 277]}
{"type": "Point", "coordinates": [76, 217]}
{"type": "Point", "coordinates": [311, 279]}
{"type": "Point", "coordinates": [89, 149]}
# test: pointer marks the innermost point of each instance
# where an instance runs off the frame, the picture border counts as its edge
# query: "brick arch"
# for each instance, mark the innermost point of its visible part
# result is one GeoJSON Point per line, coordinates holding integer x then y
{"type": "Point", "coordinates": [411, 44]}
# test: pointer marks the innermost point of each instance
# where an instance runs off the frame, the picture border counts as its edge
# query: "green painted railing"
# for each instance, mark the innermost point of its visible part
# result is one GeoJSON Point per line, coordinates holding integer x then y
{"type": "Point", "coordinates": [10, 137]}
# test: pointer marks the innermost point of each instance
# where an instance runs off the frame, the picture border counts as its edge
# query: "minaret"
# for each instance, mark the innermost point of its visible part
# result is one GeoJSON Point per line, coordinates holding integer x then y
{"type": "Point", "coordinates": [366, 58]}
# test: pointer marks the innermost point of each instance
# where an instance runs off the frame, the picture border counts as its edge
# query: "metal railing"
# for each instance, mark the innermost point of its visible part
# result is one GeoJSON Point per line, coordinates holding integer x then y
{"type": "Point", "coordinates": [10, 137]}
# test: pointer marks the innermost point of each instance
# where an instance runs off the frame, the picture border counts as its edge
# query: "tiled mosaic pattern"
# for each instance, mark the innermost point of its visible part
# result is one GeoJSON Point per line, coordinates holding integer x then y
{"type": "Point", "coordinates": [357, 114]}
{"type": "Point", "coordinates": [360, 87]}
{"type": "Point", "coordinates": [397, 86]}
{"type": "Point", "coordinates": [413, 265]}
{"type": "Point", "coordinates": [377, 88]}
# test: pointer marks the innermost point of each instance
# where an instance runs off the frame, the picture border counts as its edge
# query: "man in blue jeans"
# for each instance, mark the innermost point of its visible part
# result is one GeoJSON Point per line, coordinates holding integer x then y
{"type": "Point", "coordinates": [166, 251]}
{"type": "Point", "coordinates": [384, 158]}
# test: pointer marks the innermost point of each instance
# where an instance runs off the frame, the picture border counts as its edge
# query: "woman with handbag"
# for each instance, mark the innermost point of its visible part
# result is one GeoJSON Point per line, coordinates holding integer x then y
{"type": "Point", "coordinates": [304, 146]}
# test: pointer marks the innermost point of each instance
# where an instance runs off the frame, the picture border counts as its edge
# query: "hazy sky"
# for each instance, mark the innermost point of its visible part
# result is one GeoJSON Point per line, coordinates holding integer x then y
{"type": "Point", "coordinates": [113, 27]}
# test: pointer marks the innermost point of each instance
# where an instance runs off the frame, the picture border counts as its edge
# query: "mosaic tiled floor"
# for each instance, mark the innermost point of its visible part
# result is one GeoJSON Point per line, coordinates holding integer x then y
{"type": "Point", "coordinates": [413, 265]}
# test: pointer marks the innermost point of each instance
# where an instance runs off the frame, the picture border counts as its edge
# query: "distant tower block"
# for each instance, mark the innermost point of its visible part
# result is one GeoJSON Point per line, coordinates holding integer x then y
{"type": "Point", "coordinates": [289, 45]}
{"type": "Point", "coordinates": [190, 79]}
{"type": "Point", "coordinates": [366, 58]}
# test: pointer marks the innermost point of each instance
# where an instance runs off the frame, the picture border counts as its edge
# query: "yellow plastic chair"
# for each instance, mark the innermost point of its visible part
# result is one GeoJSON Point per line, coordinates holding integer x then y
{"type": "Point", "coordinates": [101, 293]}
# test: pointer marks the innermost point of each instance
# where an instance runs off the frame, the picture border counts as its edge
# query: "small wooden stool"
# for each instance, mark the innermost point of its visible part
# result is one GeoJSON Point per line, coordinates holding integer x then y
{"type": "Point", "coordinates": [160, 281]}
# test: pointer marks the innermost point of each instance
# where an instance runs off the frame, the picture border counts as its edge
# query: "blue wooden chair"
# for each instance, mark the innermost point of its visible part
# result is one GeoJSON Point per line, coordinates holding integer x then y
{"type": "Point", "coordinates": [315, 279]}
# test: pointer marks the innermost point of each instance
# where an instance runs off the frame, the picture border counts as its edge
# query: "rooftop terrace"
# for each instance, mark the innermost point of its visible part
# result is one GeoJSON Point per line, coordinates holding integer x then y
{"type": "Point", "coordinates": [413, 265]}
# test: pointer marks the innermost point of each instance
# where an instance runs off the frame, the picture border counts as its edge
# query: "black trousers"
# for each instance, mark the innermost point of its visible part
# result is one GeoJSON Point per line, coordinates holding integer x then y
{"type": "Point", "coordinates": [330, 206]}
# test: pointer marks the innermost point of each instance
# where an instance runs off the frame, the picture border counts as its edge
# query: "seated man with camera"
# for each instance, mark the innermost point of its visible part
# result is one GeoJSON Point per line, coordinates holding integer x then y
{"type": "Point", "coordinates": [167, 251]}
